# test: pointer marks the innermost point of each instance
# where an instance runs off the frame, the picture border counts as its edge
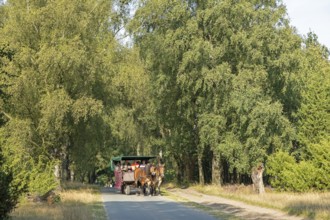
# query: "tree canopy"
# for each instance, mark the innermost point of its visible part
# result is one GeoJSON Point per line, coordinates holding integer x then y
{"type": "Point", "coordinates": [218, 86]}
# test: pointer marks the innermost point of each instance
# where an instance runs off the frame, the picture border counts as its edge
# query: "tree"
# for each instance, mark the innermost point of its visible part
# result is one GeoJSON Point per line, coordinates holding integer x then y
{"type": "Point", "coordinates": [67, 80]}
{"type": "Point", "coordinates": [313, 118]}
{"type": "Point", "coordinates": [53, 82]}
{"type": "Point", "coordinates": [131, 117]}
{"type": "Point", "coordinates": [305, 167]}
{"type": "Point", "coordinates": [226, 73]}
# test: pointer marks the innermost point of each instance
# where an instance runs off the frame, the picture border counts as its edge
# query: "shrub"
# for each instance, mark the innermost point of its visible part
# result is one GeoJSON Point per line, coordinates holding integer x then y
{"type": "Point", "coordinates": [299, 177]}
{"type": "Point", "coordinates": [286, 174]}
{"type": "Point", "coordinates": [321, 160]}
{"type": "Point", "coordinates": [9, 192]}
{"type": "Point", "coordinates": [41, 177]}
{"type": "Point", "coordinates": [275, 166]}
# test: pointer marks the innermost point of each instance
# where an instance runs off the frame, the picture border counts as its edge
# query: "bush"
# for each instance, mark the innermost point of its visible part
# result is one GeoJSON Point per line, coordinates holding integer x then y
{"type": "Point", "coordinates": [9, 193]}
{"type": "Point", "coordinates": [275, 166]}
{"type": "Point", "coordinates": [299, 177]}
{"type": "Point", "coordinates": [102, 179]}
{"type": "Point", "coordinates": [41, 177]}
{"type": "Point", "coordinates": [321, 160]}
{"type": "Point", "coordinates": [286, 174]}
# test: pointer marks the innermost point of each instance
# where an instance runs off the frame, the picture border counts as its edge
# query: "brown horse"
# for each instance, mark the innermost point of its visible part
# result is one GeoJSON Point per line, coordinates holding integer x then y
{"type": "Point", "coordinates": [157, 176]}
{"type": "Point", "coordinates": [142, 181]}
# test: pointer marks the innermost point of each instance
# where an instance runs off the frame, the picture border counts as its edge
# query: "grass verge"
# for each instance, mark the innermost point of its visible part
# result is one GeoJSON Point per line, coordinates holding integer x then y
{"type": "Point", "coordinates": [314, 205]}
{"type": "Point", "coordinates": [78, 201]}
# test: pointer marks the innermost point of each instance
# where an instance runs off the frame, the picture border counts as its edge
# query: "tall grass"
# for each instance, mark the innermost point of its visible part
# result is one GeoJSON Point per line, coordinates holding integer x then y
{"type": "Point", "coordinates": [78, 201]}
{"type": "Point", "coordinates": [314, 205]}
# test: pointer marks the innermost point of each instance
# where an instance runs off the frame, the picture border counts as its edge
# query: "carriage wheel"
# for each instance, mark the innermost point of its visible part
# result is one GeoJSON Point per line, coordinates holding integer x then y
{"type": "Point", "coordinates": [122, 189]}
{"type": "Point", "coordinates": [147, 190]}
{"type": "Point", "coordinates": [127, 190]}
{"type": "Point", "coordinates": [152, 191]}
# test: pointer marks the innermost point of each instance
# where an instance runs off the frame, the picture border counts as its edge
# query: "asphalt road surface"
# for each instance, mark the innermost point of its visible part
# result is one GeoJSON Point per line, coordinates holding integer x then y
{"type": "Point", "coordinates": [124, 207]}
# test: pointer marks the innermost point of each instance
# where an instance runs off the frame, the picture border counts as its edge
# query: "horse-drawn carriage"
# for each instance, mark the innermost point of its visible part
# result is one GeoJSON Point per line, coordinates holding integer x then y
{"type": "Point", "coordinates": [137, 172]}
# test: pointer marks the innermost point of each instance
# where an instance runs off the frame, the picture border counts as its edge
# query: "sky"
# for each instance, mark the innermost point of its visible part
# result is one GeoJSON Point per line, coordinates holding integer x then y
{"type": "Point", "coordinates": [310, 15]}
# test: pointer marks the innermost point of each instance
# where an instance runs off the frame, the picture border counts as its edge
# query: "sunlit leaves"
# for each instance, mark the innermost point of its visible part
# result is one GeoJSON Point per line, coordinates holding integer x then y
{"type": "Point", "coordinates": [229, 70]}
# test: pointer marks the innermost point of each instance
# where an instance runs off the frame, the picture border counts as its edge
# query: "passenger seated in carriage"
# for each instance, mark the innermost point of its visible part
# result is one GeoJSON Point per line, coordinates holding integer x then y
{"type": "Point", "coordinates": [129, 167]}
{"type": "Point", "coordinates": [126, 166]}
{"type": "Point", "coordinates": [117, 166]}
{"type": "Point", "coordinates": [143, 165]}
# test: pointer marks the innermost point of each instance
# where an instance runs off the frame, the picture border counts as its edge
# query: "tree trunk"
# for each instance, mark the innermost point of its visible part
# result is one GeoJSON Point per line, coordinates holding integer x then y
{"type": "Point", "coordinates": [190, 163]}
{"type": "Point", "coordinates": [65, 167]}
{"type": "Point", "coordinates": [216, 177]}
{"type": "Point", "coordinates": [57, 172]}
{"type": "Point", "coordinates": [138, 149]}
{"type": "Point", "coordinates": [187, 171]}
{"type": "Point", "coordinates": [71, 175]}
{"type": "Point", "coordinates": [258, 184]}
{"type": "Point", "coordinates": [72, 168]}
{"type": "Point", "coordinates": [180, 172]}
{"type": "Point", "coordinates": [200, 169]}
{"type": "Point", "coordinates": [91, 177]}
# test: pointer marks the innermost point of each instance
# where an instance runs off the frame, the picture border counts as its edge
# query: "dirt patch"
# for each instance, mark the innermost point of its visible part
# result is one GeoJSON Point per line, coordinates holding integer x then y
{"type": "Point", "coordinates": [230, 207]}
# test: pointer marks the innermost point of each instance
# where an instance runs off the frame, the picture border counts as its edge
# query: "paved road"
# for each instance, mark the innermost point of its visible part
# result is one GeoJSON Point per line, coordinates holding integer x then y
{"type": "Point", "coordinates": [125, 207]}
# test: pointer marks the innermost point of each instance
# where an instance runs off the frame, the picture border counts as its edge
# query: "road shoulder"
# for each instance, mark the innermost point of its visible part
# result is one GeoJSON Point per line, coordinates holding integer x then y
{"type": "Point", "coordinates": [230, 207]}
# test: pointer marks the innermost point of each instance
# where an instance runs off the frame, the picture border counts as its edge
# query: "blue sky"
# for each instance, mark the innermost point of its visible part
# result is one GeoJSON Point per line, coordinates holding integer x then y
{"type": "Point", "coordinates": [310, 15]}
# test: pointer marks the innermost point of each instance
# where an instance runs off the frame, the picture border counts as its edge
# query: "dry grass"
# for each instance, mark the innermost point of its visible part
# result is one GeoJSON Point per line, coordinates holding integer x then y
{"type": "Point", "coordinates": [78, 201]}
{"type": "Point", "coordinates": [311, 205]}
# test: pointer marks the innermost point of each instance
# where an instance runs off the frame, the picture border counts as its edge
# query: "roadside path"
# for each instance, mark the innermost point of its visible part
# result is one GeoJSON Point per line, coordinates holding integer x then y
{"type": "Point", "coordinates": [231, 207]}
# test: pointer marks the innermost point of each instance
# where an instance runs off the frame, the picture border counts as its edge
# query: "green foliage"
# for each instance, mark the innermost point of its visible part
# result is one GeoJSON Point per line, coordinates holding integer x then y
{"type": "Point", "coordinates": [276, 163]}
{"type": "Point", "coordinates": [226, 71]}
{"type": "Point", "coordinates": [9, 192]}
{"type": "Point", "coordinates": [16, 139]}
{"type": "Point", "coordinates": [41, 177]}
{"type": "Point", "coordinates": [31, 173]}
{"type": "Point", "coordinates": [226, 82]}
{"type": "Point", "coordinates": [57, 85]}
{"type": "Point", "coordinates": [282, 167]}
{"type": "Point", "coordinates": [313, 116]}
{"type": "Point", "coordinates": [299, 177]}
{"type": "Point", "coordinates": [321, 160]}
{"type": "Point", "coordinates": [103, 179]}
{"type": "Point", "coordinates": [287, 174]}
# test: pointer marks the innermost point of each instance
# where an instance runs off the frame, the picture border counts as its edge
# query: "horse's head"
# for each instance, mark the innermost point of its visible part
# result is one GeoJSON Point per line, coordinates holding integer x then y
{"type": "Point", "coordinates": [161, 170]}
{"type": "Point", "coordinates": [153, 170]}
